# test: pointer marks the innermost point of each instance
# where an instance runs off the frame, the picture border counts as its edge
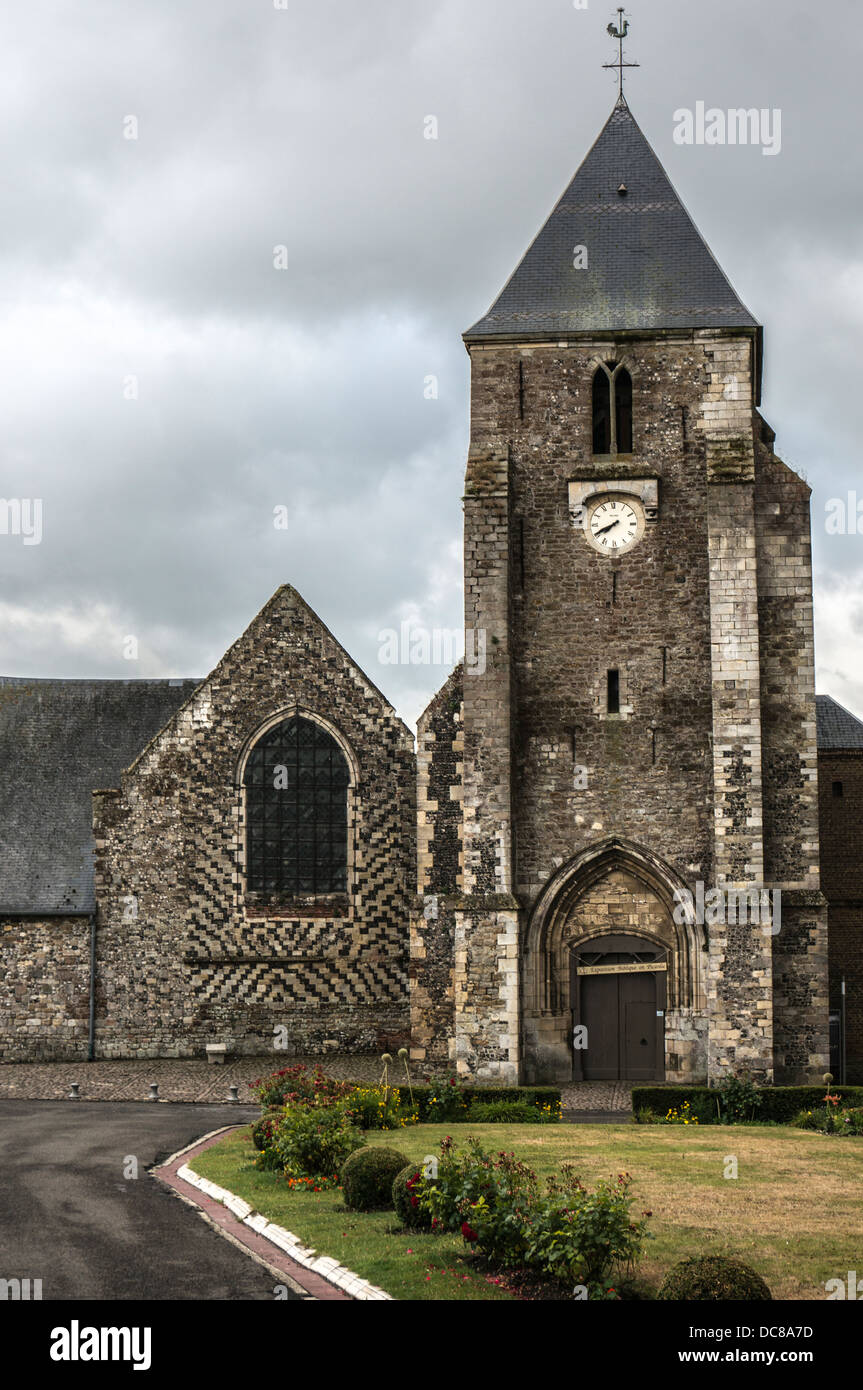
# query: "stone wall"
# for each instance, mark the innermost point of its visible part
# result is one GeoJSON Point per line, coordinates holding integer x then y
{"type": "Point", "coordinates": [44, 988]}
{"type": "Point", "coordinates": [679, 772]}
{"type": "Point", "coordinates": [440, 754]}
{"type": "Point", "coordinates": [184, 958]}
{"type": "Point", "coordinates": [575, 615]}
{"type": "Point", "coordinates": [486, 989]}
{"type": "Point", "coordinates": [789, 760]}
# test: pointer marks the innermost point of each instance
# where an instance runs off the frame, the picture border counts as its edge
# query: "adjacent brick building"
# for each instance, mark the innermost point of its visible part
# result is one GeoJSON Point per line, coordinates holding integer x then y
{"type": "Point", "coordinates": [603, 858]}
{"type": "Point", "coordinates": [840, 786]}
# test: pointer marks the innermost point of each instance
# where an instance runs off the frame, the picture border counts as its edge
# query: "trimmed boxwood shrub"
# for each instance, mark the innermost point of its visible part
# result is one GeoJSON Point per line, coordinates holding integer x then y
{"type": "Point", "coordinates": [713, 1279]}
{"type": "Point", "coordinates": [529, 1095]}
{"type": "Point", "coordinates": [406, 1185]}
{"type": "Point", "coordinates": [367, 1178]}
{"type": "Point", "coordinates": [780, 1104]}
{"type": "Point", "coordinates": [508, 1112]}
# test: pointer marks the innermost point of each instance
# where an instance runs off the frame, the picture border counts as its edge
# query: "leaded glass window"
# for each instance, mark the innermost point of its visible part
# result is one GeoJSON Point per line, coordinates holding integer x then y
{"type": "Point", "coordinates": [296, 782]}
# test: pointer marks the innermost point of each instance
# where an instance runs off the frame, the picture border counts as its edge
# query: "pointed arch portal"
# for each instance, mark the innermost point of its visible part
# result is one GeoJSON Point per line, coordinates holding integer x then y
{"type": "Point", "coordinates": [614, 981]}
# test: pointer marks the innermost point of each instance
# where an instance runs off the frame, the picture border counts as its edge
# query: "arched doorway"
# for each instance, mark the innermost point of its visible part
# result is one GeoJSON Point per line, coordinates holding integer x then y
{"type": "Point", "coordinates": [606, 950]}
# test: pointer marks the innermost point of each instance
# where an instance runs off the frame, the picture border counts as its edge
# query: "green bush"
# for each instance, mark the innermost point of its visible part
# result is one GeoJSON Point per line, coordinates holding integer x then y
{"type": "Point", "coordinates": [779, 1104]}
{"type": "Point", "coordinates": [408, 1184]}
{"type": "Point", "coordinates": [713, 1279]}
{"type": "Point", "coordinates": [509, 1112]}
{"type": "Point", "coordinates": [264, 1129]}
{"type": "Point", "coordinates": [447, 1102]}
{"type": "Point", "coordinates": [850, 1121]}
{"type": "Point", "coordinates": [314, 1141]}
{"type": "Point", "coordinates": [739, 1100]}
{"type": "Point", "coordinates": [580, 1237]}
{"type": "Point", "coordinates": [486, 1198]}
{"type": "Point", "coordinates": [806, 1119]}
{"type": "Point", "coordinates": [368, 1176]}
{"type": "Point", "coordinates": [567, 1233]}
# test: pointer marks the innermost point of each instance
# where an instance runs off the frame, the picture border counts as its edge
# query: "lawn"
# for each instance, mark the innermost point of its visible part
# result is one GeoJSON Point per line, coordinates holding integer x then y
{"type": "Point", "coordinates": [794, 1212]}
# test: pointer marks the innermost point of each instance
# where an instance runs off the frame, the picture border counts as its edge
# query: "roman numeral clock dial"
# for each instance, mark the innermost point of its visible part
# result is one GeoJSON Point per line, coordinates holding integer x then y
{"type": "Point", "coordinates": [614, 524]}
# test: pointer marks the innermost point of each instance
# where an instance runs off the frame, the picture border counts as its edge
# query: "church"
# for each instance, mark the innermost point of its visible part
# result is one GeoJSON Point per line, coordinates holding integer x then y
{"type": "Point", "coordinates": [520, 893]}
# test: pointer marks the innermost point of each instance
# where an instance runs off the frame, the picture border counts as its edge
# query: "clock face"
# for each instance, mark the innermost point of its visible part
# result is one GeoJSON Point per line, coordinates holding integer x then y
{"type": "Point", "coordinates": [614, 524]}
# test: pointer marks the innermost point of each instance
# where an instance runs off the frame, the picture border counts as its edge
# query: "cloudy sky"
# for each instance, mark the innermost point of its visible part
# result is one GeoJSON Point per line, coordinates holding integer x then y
{"type": "Point", "coordinates": [164, 386]}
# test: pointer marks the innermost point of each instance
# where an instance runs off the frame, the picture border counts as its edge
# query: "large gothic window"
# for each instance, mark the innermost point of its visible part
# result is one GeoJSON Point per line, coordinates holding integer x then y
{"type": "Point", "coordinates": [296, 781]}
{"type": "Point", "coordinates": [612, 409]}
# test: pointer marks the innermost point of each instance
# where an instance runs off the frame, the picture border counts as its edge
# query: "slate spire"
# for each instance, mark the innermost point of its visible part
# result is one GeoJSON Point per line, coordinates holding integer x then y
{"type": "Point", "coordinates": [648, 267]}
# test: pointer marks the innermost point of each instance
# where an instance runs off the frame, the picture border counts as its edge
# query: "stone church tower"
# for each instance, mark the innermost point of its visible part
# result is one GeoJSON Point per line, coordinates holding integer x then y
{"type": "Point", "coordinates": [618, 802]}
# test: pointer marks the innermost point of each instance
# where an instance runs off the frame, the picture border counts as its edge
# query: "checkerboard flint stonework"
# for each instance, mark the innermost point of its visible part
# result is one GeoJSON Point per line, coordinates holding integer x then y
{"type": "Point", "coordinates": [539, 821]}
{"type": "Point", "coordinates": [327, 974]}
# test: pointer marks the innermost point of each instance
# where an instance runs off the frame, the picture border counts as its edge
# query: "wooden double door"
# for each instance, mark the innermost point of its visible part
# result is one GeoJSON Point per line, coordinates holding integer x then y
{"type": "Point", "coordinates": [618, 992]}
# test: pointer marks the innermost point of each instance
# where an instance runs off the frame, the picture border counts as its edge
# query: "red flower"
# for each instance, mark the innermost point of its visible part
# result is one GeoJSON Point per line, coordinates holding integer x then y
{"type": "Point", "coordinates": [415, 1201]}
{"type": "Point", "coordinates": [452, 1081]}
{"type": "Point", "coordinates": [468, 1232]}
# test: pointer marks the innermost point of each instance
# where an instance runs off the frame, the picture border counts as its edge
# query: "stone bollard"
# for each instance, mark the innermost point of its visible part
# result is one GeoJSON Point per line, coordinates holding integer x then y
{"type": "Point", "coordinates": [154, 1091]}
{"type": "Point", "coordinates": [235, 1095]}
{"type": "Point", "coordinates": [73, 1094]}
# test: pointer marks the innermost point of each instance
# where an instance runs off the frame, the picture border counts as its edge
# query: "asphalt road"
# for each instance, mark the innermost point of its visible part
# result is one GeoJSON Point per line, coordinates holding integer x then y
{"type": "Point", "coordinates": [69, 1217]}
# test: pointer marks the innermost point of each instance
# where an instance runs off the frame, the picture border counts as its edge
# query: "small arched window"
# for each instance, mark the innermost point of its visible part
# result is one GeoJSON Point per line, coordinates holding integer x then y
{"type": "Point", "coordinates": [601, 411]}
{"type": "Point", "coordinates": [296, 782]}
{"type": "Point", "coordinates": [622, 387]}
{"type": "Point", "coordinates": [612, 409]}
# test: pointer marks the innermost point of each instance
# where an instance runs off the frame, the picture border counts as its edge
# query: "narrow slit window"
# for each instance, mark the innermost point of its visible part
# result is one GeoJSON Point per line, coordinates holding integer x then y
{"type": "Point", "coordinates": [613, 703]}
{"type": "Point", "coordinates": [838, 789]}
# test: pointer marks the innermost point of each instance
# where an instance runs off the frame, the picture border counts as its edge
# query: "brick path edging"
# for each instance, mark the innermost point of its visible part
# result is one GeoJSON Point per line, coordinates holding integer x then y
{"type": "Point", "coordinates": [319, 1276]}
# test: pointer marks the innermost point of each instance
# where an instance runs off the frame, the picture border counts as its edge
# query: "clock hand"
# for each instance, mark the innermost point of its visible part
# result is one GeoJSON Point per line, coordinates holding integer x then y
{"type": "Point", "coordinates": [616, 522]}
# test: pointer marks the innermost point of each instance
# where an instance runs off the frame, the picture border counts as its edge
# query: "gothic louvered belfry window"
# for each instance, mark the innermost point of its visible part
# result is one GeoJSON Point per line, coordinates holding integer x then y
{"type": "Point", "coordinates": [601, 411]}
{"type": "Point", "coordinates": [296, 782]}
{"type": "Point", "coordinates": [612, 409]}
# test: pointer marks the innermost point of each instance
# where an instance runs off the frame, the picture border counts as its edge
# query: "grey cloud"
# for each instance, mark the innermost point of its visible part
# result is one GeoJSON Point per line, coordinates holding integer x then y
{"type": "Point", "coordinates": [154, 258]}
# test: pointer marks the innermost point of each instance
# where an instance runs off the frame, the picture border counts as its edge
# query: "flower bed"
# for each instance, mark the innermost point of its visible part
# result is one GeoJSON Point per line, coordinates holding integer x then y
{"type": "Point", "coordinates": [736, 1102]}
{"type": "Point", "coordinates": [311, 1124]}
{"type": "Point", "coordinates": [577, 1238]}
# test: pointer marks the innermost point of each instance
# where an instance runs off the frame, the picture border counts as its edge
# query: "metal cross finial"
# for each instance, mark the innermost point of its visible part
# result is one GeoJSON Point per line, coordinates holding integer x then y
{"type": "Point", "coordinates": [620, 32]}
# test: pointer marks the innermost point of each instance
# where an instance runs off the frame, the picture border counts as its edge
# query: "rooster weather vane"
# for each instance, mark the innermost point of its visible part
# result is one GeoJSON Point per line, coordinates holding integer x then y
{"type": "Point", "coordinates": [619, 31]}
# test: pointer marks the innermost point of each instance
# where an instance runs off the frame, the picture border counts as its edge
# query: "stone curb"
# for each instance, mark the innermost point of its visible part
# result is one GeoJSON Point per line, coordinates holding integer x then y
{"type": "Point", "coordinates": [323, 1265]}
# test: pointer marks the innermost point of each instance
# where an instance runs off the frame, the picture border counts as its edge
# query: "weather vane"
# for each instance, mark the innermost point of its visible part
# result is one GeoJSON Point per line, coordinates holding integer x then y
{"type": "Point", "coordinates": [620, 32]}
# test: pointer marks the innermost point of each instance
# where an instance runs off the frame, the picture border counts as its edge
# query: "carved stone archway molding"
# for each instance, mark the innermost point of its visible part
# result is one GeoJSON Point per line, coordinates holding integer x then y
{"type": "Point", "coordinates": [547, 950]}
